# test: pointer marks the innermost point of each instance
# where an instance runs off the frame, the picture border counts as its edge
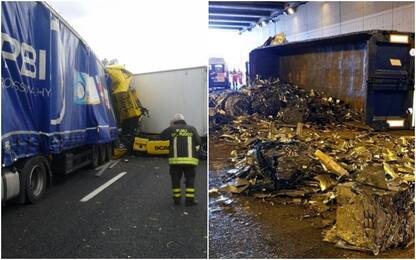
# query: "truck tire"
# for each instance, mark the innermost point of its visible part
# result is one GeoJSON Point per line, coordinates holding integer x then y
{"type": "Point", "coordinates": [102, 150]}
{"type": "Point", "coordinates": [109, 151]}
{"type": "Point", "coordinates": [33, 179]}
{"type": "Point", "coordinates": [95, 160]}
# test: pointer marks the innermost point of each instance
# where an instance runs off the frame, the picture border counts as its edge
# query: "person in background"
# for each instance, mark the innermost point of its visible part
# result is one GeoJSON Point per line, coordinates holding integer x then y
{"type": "Point", "coordinates": [230, 78]}
{"type": "Point", "coordinates": [240, 77]}
{"type": "Point", "coordinates": [183, 144]}
{"type": "Point", "coordinates": [235, 79]}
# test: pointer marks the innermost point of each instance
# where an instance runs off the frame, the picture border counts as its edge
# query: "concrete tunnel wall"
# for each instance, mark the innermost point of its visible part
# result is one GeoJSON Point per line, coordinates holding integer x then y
{"type": "Point", "coordinates": [322, 19]}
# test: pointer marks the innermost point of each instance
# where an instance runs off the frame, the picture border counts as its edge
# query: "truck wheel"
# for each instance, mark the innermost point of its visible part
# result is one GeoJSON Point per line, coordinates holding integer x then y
{"type": "Point", "coordinates": [95, 160]}
{"type": "Point", "coordinates": [33, 179]}
{"type": "Point", "coordinates": [109, 151]}
{"type": "Point", "coordinates": [103, 152]}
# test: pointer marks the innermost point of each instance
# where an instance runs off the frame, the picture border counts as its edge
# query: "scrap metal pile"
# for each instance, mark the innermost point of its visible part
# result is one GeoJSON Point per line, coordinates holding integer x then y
{"type": "Point", "coordinates": [367, 178]}
{"type": "Point", "coordinates": [284, 102]}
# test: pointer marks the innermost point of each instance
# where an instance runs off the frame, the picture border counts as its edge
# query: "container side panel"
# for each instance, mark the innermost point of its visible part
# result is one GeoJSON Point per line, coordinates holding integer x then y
{"type": "Point", "coordinates": [365, 69]}
{"type": "Point", "coordinates": [168, 92]}
{"type": "Point", "coordinates": [338, 71]}
{"type": "Point", "coordinates": [54, 91]}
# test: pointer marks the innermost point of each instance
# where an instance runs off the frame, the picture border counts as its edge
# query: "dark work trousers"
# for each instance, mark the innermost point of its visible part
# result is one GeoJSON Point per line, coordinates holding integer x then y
{"type": "Point", "coordinates": [176, 171]}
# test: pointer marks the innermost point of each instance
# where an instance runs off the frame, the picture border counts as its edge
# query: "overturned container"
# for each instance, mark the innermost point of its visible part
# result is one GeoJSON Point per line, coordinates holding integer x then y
{"type": "Point", "coordinates": [373, 71]}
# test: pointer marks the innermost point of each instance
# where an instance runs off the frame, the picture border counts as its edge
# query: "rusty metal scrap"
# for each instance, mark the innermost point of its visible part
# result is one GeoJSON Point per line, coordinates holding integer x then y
{"type": "Point", "coordinates": [280, 163]}
{"type": "Point", "coordinates": [374, 219]}
{"type": "Point", "coordinates": [289, 157]}
{"type": "Point", "coordinates": [325, 181]}
{"type": "Point", "coordinates": [295, 143]}
{"type": "Point", "coordinates": [286, 102]}
{"type": "Point", "coordinates": [330, 164]}
{"type": "Point", "coordinates": [280, 160]}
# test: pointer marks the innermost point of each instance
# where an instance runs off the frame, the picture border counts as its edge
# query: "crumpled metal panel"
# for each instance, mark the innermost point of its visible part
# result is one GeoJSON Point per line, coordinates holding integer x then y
{"type": "Point", "coordinates": [237, 105]}
{"type": "Point", "coordinates": [374, 219]}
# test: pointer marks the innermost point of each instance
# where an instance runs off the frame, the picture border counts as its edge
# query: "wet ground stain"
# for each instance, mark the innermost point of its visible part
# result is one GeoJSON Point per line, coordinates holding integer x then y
{"type": "Point", "coordinates": [247, 227]}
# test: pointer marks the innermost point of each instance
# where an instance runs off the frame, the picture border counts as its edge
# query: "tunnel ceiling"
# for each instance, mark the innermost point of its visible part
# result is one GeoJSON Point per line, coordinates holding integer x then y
{"type": "Point", "coordinates": [242, 16]}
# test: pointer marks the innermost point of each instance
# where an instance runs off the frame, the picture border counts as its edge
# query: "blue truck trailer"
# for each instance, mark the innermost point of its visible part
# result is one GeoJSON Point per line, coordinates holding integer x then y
{"type": "Point", "coordinates": [56, 114]}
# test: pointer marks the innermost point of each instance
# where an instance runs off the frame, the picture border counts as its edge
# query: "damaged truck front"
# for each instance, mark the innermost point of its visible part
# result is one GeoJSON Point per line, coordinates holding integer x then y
{"type": "Point", "coordinates": [56, 113]}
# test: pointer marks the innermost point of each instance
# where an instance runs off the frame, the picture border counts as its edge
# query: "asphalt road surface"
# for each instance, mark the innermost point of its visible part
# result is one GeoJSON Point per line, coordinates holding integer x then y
{"type": "Point", "coordinates": [134, 217]}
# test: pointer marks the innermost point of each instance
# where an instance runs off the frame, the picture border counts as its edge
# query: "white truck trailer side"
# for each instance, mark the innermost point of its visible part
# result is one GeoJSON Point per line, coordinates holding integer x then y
{"type": "Point", "coordinates": [166, 93]}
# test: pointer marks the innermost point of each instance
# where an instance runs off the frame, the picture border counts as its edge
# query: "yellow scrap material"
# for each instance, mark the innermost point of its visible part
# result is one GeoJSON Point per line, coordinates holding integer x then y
{"type": "Point", "coordinates": [118, 152]}
{"type": "Point", "coordinates": [389, 155]}
{"type": "Point", "coordinates": [408, 177]}
{"type": "Point", "coordinates": [330, 163]}
{"type": "Point", "coordinates": [389, 170]}
{"type": "Point", "coordinates": [299, 129]}
{"type": "Point", "coordinates": [405, 169]}
{"type": "Point", "coordinates": [325, 181]}
{"type": "Point", "coordinates": [279, 38]}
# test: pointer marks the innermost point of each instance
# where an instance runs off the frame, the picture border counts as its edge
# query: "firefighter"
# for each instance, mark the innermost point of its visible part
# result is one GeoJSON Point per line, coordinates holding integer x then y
{"type": "Point", "coordinates": [184, 141]}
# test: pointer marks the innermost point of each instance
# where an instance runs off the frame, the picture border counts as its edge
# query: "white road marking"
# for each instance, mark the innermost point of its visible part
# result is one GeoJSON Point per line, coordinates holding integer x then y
{"type": "Point", "coordinates": [104, 167]}
{"type": "Point", "coordinates": [115, 163]}
{"type": "Point", "coordinates": [102, 187]}
{"type": "Point", "coordinates": [98, 168]}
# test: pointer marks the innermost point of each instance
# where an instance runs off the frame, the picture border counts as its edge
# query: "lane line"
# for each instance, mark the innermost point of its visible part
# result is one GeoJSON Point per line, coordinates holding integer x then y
{"type": "Point", "coordinates": [105, 167]}
{"type": "Point", "coordinates": [102, 187]}
{"type": "Point", "coordinates": [101, 166]}
{"type": "Point", "coordinates": [115, 163]}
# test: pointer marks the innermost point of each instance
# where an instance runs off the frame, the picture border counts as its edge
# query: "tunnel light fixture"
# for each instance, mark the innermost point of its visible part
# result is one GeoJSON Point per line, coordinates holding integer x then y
{"type": "Point", "coordinates": [263, 23]}
{"type": "Point", "coordinates": [289, 10]}
{"type": "Point", "coordinates": [399, 38]}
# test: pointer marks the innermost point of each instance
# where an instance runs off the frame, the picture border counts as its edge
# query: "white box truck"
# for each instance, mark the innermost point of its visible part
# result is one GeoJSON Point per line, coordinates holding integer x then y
{"type": "Point", "coordinates": [165, 93]}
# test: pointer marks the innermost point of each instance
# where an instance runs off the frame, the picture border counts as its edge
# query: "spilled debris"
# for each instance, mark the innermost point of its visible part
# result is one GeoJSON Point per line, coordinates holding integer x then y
{"type": "Point", "coordinates": [298, 144]}
{"type": "Point", "coordinates": [373, 219]}
{"type": "Point", "coordinates": [286, 103]}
